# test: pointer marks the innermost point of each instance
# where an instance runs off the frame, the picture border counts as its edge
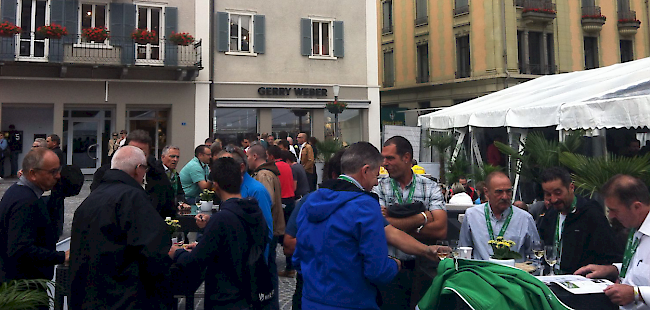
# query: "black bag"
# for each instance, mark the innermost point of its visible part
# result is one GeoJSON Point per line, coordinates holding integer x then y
{"type": "Point", "coordinates": [406, 210]}
{"type": "Point", "coordinates": [261, 287]}
{"type": "Point", "coordinates": [71, 182]}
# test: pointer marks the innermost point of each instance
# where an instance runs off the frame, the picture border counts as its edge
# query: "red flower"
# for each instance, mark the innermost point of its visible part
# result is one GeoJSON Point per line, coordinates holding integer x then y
{"type": "Point", "coordinates": [182, 38]}
{"type": "Point", "coordinates": [52, 31]}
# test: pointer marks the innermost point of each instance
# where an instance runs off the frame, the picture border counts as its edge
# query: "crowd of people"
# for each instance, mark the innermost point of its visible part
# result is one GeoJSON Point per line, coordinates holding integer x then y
{"type": "Point", "coordinates": [358, 241]}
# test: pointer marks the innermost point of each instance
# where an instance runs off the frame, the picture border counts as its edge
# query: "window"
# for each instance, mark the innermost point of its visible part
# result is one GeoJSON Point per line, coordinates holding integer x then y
{"type": "Point", "coordinates": [389, 69]}
{"type": "Point", "coordinates": [463, 60]}
{"type": "Point", "coordinates": [241, 28]}
{"type": "Point", "coordinates": [627, 50]}
{"type": "Point", "coordinates": [349, 126]}
{"type": "Point", "coordinates": [33, 14]}
{"type": "Point", "coordinates": [421, 12]}
{"type": "Point", "coordinates": [321, 38]}
{"type": "Point", "coordinates": [150, 18]}
{"type": "Point", "coordinates": [291, 121]}
{"type": "Point", "coordinates": [422, 63]}
{"type": "Point", "coordinates": [387, 17]}
{"type": "Point", "coordinates": [461, 7]}
{"type": "Point", "coordinates": [541, 56]}
{"type": "Point", "coordinates": [623, 5]}
{"type": "Point", "coordinates": [233, 124]}
{"type": "Point", "coordinates": [93, 16]}
{"type": "Point", "coordinates": [591, 53]}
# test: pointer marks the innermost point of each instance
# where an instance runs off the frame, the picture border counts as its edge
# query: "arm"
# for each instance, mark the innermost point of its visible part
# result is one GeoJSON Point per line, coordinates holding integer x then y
{"type": "Point", "coordinates": [308, 161]}
{"type": "Point", "coordinates": [436, 227]}
{"type": "Point", "coordinates": [407, 244]}
{"type": "Point", "coordinates": [408, 224]}
{"type": "Point", "coordinates": [289, 244]}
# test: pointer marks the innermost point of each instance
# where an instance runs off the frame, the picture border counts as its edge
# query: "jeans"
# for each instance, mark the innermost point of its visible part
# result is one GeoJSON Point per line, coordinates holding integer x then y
{"type": "Point", "coordinates": [14, 162]}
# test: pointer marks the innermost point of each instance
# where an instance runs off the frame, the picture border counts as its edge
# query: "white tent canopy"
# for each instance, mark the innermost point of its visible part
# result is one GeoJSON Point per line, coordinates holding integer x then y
{"type": "Point", "coordinates": [616, 96]}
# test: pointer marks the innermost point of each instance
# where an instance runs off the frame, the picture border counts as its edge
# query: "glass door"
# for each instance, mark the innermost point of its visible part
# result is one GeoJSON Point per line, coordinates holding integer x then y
{"type": "Point", "coordinates": [33, 14]}
{"type": "Point", "coordinates": [149, 18]}
{"type": "Point", "coordinates": [82, 139]}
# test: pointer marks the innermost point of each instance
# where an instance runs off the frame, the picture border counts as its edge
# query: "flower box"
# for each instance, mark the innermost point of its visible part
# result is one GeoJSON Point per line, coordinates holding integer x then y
{"type": "Point", "coordinates": [8, 30]}
{"type": "Point", "coordinates": [182, 38]}
{"type": "Point", "coordinates": [99, 34]}
{"type": "Point", "coordinates": [336, 107]}
{"type": "Point", "coordinates": [144, 36]}
{"type": "Point", "coordinates": [52, 31]}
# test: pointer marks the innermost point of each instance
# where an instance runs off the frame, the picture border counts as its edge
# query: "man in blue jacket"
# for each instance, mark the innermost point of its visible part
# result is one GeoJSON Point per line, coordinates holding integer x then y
{"type": "Point", "coordinates": [341, 245]}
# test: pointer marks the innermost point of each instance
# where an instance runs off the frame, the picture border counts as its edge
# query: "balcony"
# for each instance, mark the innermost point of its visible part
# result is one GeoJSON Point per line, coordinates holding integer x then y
{"type": "Point", "coordinates": [538, 10]}
{"type": "Point", "coordinates": [627, 23]}
{"type": "Point", "coordinates": [421, 79]}
{"type": "Point", "coordinates": [118, 54]}
{"type": "Point", "coordinates": [460, 10]}
{"type": "Point", "coordinates": [537, 69]}
{"type": "Point", "coordinates": [463, 74]}
{"type": "Point", "coordinates": [420, 21]}
{"type": "Point", "coordinates": [592, 19]}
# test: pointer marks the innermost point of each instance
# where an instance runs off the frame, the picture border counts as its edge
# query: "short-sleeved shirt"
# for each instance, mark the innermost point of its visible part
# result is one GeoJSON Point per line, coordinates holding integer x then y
{"type": "Point", "coordinates": [193, 172]}
{"type": "Point", "coordinates": [300, 176]}
{"type": "Point", "coordinates": [426, 191]}
{"type": "Point", "coordinates": [286, 179]}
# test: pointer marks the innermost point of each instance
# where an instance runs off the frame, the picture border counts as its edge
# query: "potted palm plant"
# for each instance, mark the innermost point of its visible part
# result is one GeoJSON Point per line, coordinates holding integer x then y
{"type": "Point", "coordinates": [25, 294]}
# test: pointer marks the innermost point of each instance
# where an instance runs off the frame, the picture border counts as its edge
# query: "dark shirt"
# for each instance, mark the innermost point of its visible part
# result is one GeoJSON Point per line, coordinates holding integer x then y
{"type": "Point", "coordinates": [118, 252]}
{"type": "Point", "coordinates": [587, 237]}
{"type": "Point", "coordinates": [62, 160]}
{"type": "Point", "coordinates": [16, 141]}
{"type": "Point", "coordinates": [28, 245]}
{"type": "Point", "coordinates": [300, 176]}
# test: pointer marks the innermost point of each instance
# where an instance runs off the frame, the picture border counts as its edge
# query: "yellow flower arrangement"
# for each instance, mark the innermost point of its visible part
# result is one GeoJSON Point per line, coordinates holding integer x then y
{"type": "Point", "coordinates": [172, 224]}
{"type": "Point", "coordinates": [501, 248]}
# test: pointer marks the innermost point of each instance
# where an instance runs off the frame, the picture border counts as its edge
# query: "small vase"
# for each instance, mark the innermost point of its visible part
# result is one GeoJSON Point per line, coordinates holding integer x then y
{"type": "Point", "coordinates": [206, 206]}
{"type": "Point", "coordinates": [507, 262]}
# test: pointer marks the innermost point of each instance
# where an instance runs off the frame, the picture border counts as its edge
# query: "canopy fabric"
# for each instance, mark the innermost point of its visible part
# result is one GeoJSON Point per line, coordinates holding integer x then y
{"type": "Point", "coordinates": [610, 97]}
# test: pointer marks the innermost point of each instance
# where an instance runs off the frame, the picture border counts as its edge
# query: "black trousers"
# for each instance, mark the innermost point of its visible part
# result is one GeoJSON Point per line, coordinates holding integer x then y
{"type": "Point", "coordinates": [296, 302]}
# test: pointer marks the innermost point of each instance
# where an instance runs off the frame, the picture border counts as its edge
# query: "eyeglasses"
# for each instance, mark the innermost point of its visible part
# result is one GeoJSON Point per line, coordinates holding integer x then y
{"type": "Point", "coordinates": [53, 172]}
{"type": "Point", "coordinates": [146, 168]}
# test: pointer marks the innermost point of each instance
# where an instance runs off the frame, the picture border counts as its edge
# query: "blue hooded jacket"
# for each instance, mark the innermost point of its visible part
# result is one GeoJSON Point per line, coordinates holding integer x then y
{"type": "Point", "coordinates": [341, 248]}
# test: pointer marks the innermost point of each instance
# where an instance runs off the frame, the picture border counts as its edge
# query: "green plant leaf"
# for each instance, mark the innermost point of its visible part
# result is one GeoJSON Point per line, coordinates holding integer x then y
{"type": "Point", "coordinates": [25, 294]}
{"type": "Point", "coordinates": [327, 148]}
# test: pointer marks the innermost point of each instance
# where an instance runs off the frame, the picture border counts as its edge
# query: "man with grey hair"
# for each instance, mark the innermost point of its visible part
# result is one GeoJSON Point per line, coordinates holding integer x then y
{"type": "Point", "coordinates": [169, 161]}
{"type": "Point", "coordinates": [119, 245]}
{"type": "Point", "coordinates": [343, 212]}
{"type": "Point", "coordinates": [39, 142]}
{"type": "Point", "coordinates": [28, 246]}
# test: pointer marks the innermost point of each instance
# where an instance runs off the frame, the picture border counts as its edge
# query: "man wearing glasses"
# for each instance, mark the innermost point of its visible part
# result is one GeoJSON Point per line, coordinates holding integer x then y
{"type": "Point", "coordinates": [28, 246]}
{"type": "Point", "coordinates": [194, 176]}
{"type": "Point", "coordinates": [498, 218]}
{"type": "Point", "coordinates": [118, 245]}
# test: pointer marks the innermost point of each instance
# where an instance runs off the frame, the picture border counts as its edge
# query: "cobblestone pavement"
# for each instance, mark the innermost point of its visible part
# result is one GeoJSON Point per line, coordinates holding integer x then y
{"type": "Point", "coordinates": [287, 285]}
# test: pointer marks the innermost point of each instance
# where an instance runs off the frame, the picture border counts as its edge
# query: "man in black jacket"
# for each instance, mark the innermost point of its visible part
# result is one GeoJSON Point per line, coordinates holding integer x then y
{"type": "Point", "coordinates": [28, 243]}
{"type": "Point", "coordinates": [56, 203]}
{"type": "Point", "coordinates": [157, 184]}
{"type": "Point", "coordinates": [577, 227]}
{"type": "Point", "coordinates": [118, 246]}
{"type": "Point", "coordinates": [227, 239]}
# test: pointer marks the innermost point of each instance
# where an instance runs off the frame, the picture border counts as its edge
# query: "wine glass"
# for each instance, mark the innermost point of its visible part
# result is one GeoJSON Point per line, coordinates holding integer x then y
{"type": "Point", "coordinates": [538, 251]}
{"type": "Point", "coordinates": [443, 249]}
{"type": "Point", "coordinates": [455, 252]}
{"type": "Point", "coordinates": [550, 255]}
{"type": "Point", "coordinates": [180, 238]}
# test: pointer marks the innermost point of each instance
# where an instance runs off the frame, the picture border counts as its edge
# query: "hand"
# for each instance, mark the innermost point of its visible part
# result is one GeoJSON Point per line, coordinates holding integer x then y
{"type": "Point", "coordinates": [67, 257]}
{"type": "Point", "coordinates": [597, 271]}
{"type": "Point", "coordinates": [431, 253]}
{"type": "Point", "coordinates": [399, 263]}
{"type": "Point", "coordinates": [202, 220]}
{"type": "Point", "coordinates": [384, 211]}
{"type": "Point", "coordinates": [184, 206]}
{"type": "Point", "coordinates": [191, 246]}
{"type": "Point", "coordinates": [620, 294]}
{"type": "Point", "coordinates": [172, 250]}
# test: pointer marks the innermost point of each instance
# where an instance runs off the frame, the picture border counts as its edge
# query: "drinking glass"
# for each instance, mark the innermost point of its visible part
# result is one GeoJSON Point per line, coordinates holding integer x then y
{"type": "Point", "coordinates": [550, 255]}
{"type": "Point", "coordinates": [454, 248]}
{"type": "Point", "coordinates": [180, 238]}
{"type": "Point", "coordinates": [443, 250]}
{"type": "Point", "coordinates": [538, 251]}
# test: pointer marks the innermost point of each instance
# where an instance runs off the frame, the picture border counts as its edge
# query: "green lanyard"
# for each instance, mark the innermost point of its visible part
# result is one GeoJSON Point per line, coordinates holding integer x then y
{"type": "Point", "coordinates": [398, 193]}
{"type": "Point", "coordinates": [489, 223]}
{"type": "Point", "coordinates": [172, 179]}
{"type": "Point", "coordinates": [557, 240]}
{"type": "Point", "coordinates": [349, 179]}
{"type": "Point", "coordinates": [630, 249]}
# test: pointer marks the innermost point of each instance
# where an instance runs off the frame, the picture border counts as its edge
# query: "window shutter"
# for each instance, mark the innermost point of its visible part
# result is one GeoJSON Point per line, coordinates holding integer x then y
{"type": "Point", "coordinates": [57, 8]}
{"type": "Point", "coordinates": [338, 39]}
{"type": "Point", "coordinates": [115, 25]}
{"type": "Point", "coordinates": [305, 32]}
{"type": "Point", "coordinates": [259, 24]}
{"type": "Point", "coordinates": [71, 19]}
{"type": "Point", "coordinates": [171, 25]}
{"type": "Point", "coordinates": [9, 44]}
{"type": "Point", "coordinates": [128, 20]}
{"type": "Point", "coordinates": [223, 26]}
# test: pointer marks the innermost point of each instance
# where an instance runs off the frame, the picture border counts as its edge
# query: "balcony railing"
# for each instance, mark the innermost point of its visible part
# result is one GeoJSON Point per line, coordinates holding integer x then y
{"type": "Point", "coordinates": [115, 51]}
{"type": "Point", "coordinates": [591, 12]}
{"type": "Point", "coordinates": [461, 10]}
{"type": "Point", "coordinates": [627, 16]}
{"type": "Point", "coordinates": [422, 20]}
{"type": "Point", "coordinates": [542, 6]}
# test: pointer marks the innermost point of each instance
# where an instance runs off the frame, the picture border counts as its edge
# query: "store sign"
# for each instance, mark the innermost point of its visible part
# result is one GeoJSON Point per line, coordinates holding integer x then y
{"type": "Point", "coordinates": [286, 91]}
{"type": "Point", "coordinates": [393, 116]}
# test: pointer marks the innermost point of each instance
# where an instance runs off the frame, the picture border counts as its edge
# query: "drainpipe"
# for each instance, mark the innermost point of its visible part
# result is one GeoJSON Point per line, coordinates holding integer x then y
{"type": "Point", "coordinates": [211, 65]}
{"type": "Point", "coordinates": [647, 24]}
{"type": "Point", "coordinates": [505, 43]}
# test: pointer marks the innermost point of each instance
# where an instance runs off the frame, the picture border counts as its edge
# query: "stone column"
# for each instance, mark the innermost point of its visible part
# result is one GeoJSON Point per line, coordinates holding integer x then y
{"type": "Point", "coordinates": [544, 62]}
{"type": "Point", "coordinates": [120, 116]}
{"type": "Point", "coordinates": [57, 120]}
{"type": "Point", "coordinates": [526, 53]}
{"type": "Point", "coordinates": [264, 120]}
{"type": "Point", "coordinates": [318, 123]}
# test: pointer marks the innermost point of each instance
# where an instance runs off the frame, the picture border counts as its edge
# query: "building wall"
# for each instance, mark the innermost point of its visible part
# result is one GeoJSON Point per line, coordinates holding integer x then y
{"type": "Point", "coordinates": [484, 23]}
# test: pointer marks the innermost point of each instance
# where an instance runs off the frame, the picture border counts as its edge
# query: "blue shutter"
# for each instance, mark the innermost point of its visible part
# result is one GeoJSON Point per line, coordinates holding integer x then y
{"type": "Point", "coordinates": [8, 45]}
{"type": "Point", "coordinates": [223, 25]}
{"type": "Point", "coordinates": [305, 32]}
{"type": "Point", "coordinates": [338, 39]}
{"type": "Point", "coordinates": [171, 25]}
{"type": "Point", "coordinates": [71, 19]}
{"type": "Point", "coordinates": [56, 17]}
{"type": "Point", "coordinates": [259, 24]}
{"type": "Point", "coordinates": [128, 19]}
{"type": "Point", "coordinates": [115, 25]}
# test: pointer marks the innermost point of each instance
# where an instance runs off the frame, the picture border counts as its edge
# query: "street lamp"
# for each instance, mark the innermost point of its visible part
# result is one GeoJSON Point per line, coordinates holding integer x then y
{"type": "Point", "coordinates": [335, 90]}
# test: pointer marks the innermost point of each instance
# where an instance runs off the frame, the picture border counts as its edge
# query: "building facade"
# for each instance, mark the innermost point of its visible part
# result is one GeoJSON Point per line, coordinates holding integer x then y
{"type": "Point", "coordinates": [277, 64]}
{"type": "Point", "coordinates": [439, 53]}
{"type": "Point", "coordinates": [85, 85]}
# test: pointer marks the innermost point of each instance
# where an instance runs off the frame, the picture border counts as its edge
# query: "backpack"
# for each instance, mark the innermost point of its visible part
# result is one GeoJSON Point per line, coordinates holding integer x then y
{"type": "Point", "coordinates": [71, 182]}
{"type": "Point", "coordinates": [260, 293]}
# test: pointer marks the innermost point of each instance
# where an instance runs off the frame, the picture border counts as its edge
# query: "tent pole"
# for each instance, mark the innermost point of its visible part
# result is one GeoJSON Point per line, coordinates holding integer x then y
{"type": "Point", "coordinates": [524, 134]}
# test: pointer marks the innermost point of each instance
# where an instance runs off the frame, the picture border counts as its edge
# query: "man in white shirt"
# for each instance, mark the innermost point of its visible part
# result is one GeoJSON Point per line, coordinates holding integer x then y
{"type": "Point", "coordinates": [628, 200]}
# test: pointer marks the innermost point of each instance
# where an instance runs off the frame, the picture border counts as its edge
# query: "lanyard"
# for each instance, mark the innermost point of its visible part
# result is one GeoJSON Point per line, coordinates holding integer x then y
{"type": "Point", "coordinates": [630, 249]}
{"type": "Point", "coordinates": [557, 240]}
{"type": "Point", "coordinates": [172, 179]}
{"type": "Point", "coordinates": [349, 179]}
{"type": "Point", "coordinates": [489, 223]}
{"type": "Point", "coordinates": [398, 193]}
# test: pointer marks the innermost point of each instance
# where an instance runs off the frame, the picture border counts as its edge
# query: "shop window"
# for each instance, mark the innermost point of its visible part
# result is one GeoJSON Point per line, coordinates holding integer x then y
{"type": "Point", "coordinates": [232, 124]}
{"type": "Point", "coordinates": [350, 130]}
{"type": "Point", "coordinates": [292, 121]}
